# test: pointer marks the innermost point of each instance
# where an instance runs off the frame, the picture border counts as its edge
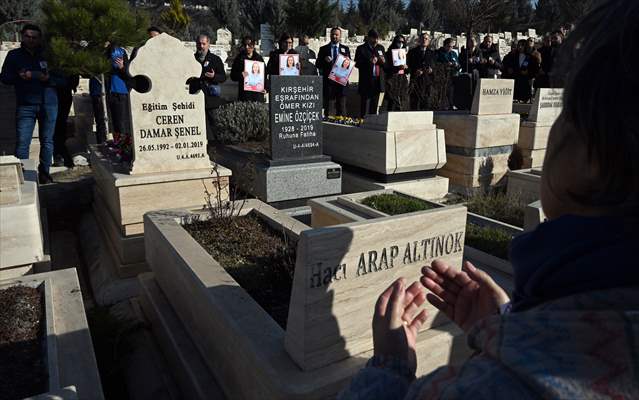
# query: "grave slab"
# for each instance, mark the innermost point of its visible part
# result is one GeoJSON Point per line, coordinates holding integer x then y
{"type": "Point", "coordinates": [426, 188]}
{"type": "Point", "coordinates": [21, 235]}
{"type": "Point", "coordinates": [524, 183]}
{"type": "Point", "coordinates": [391, 143]}
{"type": "Point", "coordinates": [239, 342]}
{"type": "Point", "coordinates": [71, 347]}
{"type": "Point", "coordinates": [478, 131]}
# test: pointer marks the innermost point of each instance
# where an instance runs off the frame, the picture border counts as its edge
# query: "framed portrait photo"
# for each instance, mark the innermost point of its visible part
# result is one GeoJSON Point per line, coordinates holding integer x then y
{"type": "Point", "coordinates": [399, 57]}
{"type": "Point", "coordinates": [341, 70]}
{"type": "Point", "coordinates": [289, 64]}
{"type": "Point", "coordinates": [254, 80]}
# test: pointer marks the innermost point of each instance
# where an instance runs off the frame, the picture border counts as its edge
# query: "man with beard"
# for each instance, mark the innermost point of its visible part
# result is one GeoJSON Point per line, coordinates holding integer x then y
{"type": "Point", "coordinates": [327, 57]}
{"type": "Point", "coordinates": [420, 61]}
{"type": "Point", "coordinates": [209, 81]}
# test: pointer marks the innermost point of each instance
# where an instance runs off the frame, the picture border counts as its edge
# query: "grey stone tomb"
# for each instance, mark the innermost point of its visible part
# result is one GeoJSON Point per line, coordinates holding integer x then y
{"type": "Point", "coordinates": [295, 166]}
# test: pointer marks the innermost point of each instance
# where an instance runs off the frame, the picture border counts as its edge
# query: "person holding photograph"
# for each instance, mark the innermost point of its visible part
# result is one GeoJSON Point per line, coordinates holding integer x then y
{"type": "Point", "coordinates": [326, 58]}
{"type": "Point", "coordinates": [370, 61]}
{"type": "Point", "coordinates": [343, 71]}
{"type": "Point", "coordinates": [285, 45]}
{"type": "Point", "coordinates": [396, 82]}
{"type": "Point", "coordinates": [238, 74]}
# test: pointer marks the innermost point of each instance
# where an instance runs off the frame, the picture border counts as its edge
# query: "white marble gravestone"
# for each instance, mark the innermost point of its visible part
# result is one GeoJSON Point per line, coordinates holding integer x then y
{"type": "Point", "coordinates": [547, 105]}
{"type": "Point", "coordinates": [493, 96]}
{"type": "Point", "coordinates": [167, 123]}
{"type": "Point", "coordinates": [224, 36]}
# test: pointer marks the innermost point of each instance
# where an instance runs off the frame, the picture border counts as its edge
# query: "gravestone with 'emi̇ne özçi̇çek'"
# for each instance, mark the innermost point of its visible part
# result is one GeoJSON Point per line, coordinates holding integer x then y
{"type": "Point", "coordinates": [296, 117]}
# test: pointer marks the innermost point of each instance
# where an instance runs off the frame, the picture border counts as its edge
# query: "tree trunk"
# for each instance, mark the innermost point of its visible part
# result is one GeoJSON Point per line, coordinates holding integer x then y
{"type": "Point", "coordinates": [104, 104]}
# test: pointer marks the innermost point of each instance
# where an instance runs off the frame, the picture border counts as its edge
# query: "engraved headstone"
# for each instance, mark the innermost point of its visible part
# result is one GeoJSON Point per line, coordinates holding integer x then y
{"type": "Point", "coordinates": [167, 123]}
{"type": "Point", "coordinates": [493, 96]}
{"type": "Point", "coordinates": [224, 36]}
{"type": "Point", "coordinates": [296, 117]}
{"type": "Point", "coordinates": [267, 39]}
{"type": "Point", "coordinates": [546, 105]}
{"type": "Point", "coordinates": [340, 272]}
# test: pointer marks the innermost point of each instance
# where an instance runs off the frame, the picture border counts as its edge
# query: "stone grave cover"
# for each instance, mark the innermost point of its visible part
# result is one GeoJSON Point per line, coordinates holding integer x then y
{"type": "Point", "coordinates": [167, 123]}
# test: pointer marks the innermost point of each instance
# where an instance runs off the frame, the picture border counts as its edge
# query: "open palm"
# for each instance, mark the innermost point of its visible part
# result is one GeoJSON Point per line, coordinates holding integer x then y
{"type": "Point", "coordinates": [465, 296]}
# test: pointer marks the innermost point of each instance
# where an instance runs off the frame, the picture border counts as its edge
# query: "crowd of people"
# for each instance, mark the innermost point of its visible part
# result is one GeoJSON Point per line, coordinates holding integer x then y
{"type": "Point", "coordinates": [406, 76]}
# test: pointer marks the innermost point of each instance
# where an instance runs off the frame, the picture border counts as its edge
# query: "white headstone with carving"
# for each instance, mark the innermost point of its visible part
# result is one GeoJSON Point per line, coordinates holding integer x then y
{"type": "Point", "coordinates": [493, 96]}
{"type": "Point", "coordinates": [167, 122]}
{"type": "Point", "coordinates": [224, 36]}
{"type": "Point", "coordinates": [546, 106]}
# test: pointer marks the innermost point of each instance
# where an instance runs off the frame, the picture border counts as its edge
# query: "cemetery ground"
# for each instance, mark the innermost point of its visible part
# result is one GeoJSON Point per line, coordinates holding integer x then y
{"type": "Point", "coordinates": [245, 246]}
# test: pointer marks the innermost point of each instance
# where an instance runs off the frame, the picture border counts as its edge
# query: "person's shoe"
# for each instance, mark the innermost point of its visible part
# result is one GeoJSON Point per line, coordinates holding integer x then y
{"type": "Point", "coordinates": [44, 177]}
{"type": "Point", "coordinates": [58, 161]}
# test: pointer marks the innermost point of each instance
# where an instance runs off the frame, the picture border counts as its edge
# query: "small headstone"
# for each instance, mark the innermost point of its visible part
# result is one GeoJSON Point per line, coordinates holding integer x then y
{"type": "Point", "coordinates": [10, 180]}
{"type": "Point", "coordinates": [296, 117]}
{"type": "Point", "coordinates": [508, 36]}
{"type": "Point", "coordinates": [493, 96]}
{"type": "Point", "coordinates": [532, 33]}
{"type": "Point", "coordinates": [168, 124]}
{"type": "Point", "coordinates": [546, 105]}
{"type": "Point", "coordinates": [224, 36]}
{"type": "Point", "coordinates": [267, 39]}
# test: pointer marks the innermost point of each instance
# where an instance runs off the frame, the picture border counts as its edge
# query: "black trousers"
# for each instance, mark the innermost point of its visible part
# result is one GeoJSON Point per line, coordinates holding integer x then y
{"type": "Point", "coordinates": [334, 92]}
{"type": "Point", "coordinates": [65, 99]}
{"type": "Point", "coordinates": [368, 104]}
{"type": "Point", "coordinates": [98, 115]}
{"type": "Point", "coordinates": [210, 123]}
{"type": "Point", "coordinates": [119, 108]}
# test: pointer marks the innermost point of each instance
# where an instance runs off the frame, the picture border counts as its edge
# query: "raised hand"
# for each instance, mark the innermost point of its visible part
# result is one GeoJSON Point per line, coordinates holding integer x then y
{"type": "Point", "coordinates": [397, 320]}
{"type": "Point", "coordinates": [464, 296]}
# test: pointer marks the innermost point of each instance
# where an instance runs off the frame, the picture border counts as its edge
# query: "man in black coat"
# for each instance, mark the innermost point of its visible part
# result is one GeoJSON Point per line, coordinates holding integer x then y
{"type": "Point", "coordinates": [420, 62]}
{"type": "Point", "coordinates": [489, 59]}
{"type": "Point", "coordinates": [326, 59]}
{"type": "Point", "coordinates": [369, 59]}
{"type": "Point", "coordinates": [238, 73]}
{"type": "Point", "coordinates": [209, 81]}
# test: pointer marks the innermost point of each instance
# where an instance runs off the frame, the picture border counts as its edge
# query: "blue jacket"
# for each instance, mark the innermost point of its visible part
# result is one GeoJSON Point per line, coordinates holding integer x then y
{"type": "Point", "coordinates": [33, 91]}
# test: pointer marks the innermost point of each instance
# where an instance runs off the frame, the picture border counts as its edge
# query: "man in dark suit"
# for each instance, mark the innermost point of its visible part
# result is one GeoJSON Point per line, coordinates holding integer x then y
{"type": "Point", "coordinates": [326, 59]}
{"type": "Point", "coordinates": [420, 62]}
{"type": "Point", "coordinates": [369, 59]}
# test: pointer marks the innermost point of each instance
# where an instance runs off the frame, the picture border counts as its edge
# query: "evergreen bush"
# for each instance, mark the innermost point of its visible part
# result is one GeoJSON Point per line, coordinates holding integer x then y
{"type": "Point", "coordinates": [241, 122]}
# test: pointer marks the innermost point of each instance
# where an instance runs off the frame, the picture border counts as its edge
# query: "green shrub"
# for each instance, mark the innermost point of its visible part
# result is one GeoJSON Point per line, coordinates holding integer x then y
{"type": "Point", "coordinates": [393, 204]}
{"type": "Point", "coordinates": [499, 206]}
{"type": "Point", "coordinates": [489, 240]}
{"type": "Point", "coordinates": [241, 122]}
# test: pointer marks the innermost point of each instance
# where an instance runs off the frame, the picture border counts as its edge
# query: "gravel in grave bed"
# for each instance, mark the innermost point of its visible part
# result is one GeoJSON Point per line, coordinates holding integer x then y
{"type": "Point", "coordinates": [22, 369]}
{"type": "Point", "coordinates": [393, 204]}
{"type": "Point", "coordinates": [259, 258]}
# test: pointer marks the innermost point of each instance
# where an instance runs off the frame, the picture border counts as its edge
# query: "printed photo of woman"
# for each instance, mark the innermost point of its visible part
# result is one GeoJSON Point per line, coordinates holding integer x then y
{"type": "Point", "coordinates": [289, 64]}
